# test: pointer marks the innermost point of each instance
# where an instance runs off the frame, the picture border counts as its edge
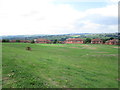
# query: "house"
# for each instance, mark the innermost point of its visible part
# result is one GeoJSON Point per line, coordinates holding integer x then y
{"type": "Point", "coordinates": [96, 41]}
{"type": "Point", "coordinates": [25, 41]}
{"type": "Point", "coordinates": [74, 40]}
{"type": "Point", "coordinates": [12, 41]}
{"type": "Point", "coordinates": [112, 42]}
{"type": "Point", "coordinates": [40, 40]}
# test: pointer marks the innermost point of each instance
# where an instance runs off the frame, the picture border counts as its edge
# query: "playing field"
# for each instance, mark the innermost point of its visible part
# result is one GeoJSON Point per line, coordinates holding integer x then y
{"type": "Point", "coordinates": [59, 66]}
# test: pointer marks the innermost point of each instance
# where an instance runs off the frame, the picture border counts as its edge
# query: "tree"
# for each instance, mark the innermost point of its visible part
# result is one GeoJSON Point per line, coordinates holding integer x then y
{"type": "Point", "coordinates": [55, 41]}
{"type": "Point", "coordinates": [5, 40]}
{"type": "Point", "coordinates": [111, 38]}
{"type": "Point", "coordinates": [104, 40]}
{"type": "Point", "coordinates": [17, 40]}
{"type": "Point", "coordinates": [87, 40]}
{"type": "Point", "coordinates": [32, 41]}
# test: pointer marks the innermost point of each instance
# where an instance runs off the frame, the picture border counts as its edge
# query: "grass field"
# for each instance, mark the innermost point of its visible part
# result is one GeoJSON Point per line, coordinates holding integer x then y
{"type": "Point", "coordinates": [59, 66]}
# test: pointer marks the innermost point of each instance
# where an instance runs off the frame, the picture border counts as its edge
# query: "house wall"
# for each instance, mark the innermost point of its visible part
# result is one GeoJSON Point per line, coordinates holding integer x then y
{"type": "Point", "coordinates": [72, 42]}
{"type": "Point", "coordinates": [97, 42]}
{"type": "Point", "coordinates": [111, 43]}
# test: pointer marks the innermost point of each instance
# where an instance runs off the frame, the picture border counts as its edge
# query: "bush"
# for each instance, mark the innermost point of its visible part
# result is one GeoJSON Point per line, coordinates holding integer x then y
{"type": "Point", "coordinates": [17, 40]}
{"type": "Point", "coordinates": [55, 41]}
{"type": "Point", "coordinates": [5, 40]}
{"type": "Point", "coordinates": [32, 41]}
{"type": "Point", "coordinates": [87, 40]}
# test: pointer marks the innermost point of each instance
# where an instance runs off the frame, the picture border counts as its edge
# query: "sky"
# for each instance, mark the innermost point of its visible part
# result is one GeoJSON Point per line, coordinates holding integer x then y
{"type": "Point", "coordinates": [28, 17]}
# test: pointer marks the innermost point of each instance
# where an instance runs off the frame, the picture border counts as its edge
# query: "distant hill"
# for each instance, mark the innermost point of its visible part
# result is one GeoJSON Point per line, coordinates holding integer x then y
{"type": "Point", "coordinates": [62, 37]}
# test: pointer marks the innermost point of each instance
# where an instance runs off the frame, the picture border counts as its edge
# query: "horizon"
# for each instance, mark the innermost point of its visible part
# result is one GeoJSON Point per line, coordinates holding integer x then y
{"type": "Point", "coordinates": [56, 34]}
{"type": "Point", "coordinates": [53, 17]}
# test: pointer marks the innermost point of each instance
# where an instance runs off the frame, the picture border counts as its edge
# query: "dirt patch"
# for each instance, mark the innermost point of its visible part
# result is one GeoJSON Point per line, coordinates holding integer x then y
{"type": "Point", "coordinates": [118, 79]}
{"type": "Point", "coordinates": [106, 55]}
{"type": "Point", "coordinates": [92, 48]}
{"type": "Point", "coordinates": [85, 45]}
{"type": "Point", "coordinates": [5, 78]}
{"type": "Point", "coordinates": [89, 47]}
{"type": "Point", "coordinates": [54, 45]}
{"type": "Point", "coordinates": [73, 47]}
{"type": "Point", "coordinates": [102, 52]}
{"type": "Point", "coordinates": [116, 47]}
{"type": "Point", "coordinates": [53, 82]}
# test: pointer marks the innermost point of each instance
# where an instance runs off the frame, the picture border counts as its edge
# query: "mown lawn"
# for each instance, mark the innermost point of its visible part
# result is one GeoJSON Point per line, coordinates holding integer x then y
{"type": "Point", "coordinates": [59, 66]}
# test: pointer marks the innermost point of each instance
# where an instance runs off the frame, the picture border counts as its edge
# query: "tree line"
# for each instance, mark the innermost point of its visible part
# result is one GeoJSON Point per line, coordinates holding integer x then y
{"type": "Point", "coordinates": [57, 41]}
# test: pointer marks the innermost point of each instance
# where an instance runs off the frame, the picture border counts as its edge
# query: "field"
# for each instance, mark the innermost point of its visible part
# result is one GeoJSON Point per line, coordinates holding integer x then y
{"type": "Point", "coordinates": [59, 66]}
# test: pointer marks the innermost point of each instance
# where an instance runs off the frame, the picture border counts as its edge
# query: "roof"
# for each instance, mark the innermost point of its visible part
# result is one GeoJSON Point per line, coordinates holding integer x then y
{"type": "Point", "coordinates": [40, 39]}
{"type": "Point", "coordinates": [113, 40]}
{"type": "Point", "coordinates": [97, 39]}
{"type": "Point", "coordinates": [74, 39]}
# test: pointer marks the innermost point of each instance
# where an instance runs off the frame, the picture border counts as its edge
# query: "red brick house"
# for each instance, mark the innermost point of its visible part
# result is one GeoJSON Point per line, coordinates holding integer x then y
{"type": "Point", "coordinates": [74, 40]}
{"type": "Point", "coordinates": [12, 41]}
{"type": "Point", "coordinates": [97, 41]}
{"type": "Point", "coordinates": [40, 40]}
{"type": "Point", "coordinates": [112, 42]}
{"type": "Point", "coordinates": [25, 41]}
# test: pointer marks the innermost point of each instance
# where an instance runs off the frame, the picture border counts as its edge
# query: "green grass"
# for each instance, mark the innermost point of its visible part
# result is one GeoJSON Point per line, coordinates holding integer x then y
{"type": "Point", "coordinates": [59, 66]}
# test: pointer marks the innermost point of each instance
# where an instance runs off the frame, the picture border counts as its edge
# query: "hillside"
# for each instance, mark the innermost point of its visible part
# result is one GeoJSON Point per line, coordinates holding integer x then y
{"type": "Point", "coordinates": [59, 66]}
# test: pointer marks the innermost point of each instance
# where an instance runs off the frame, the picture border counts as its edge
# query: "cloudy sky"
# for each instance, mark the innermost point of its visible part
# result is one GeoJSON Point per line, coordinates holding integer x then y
{"type": "Point", "coordinates": [19, 17]}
